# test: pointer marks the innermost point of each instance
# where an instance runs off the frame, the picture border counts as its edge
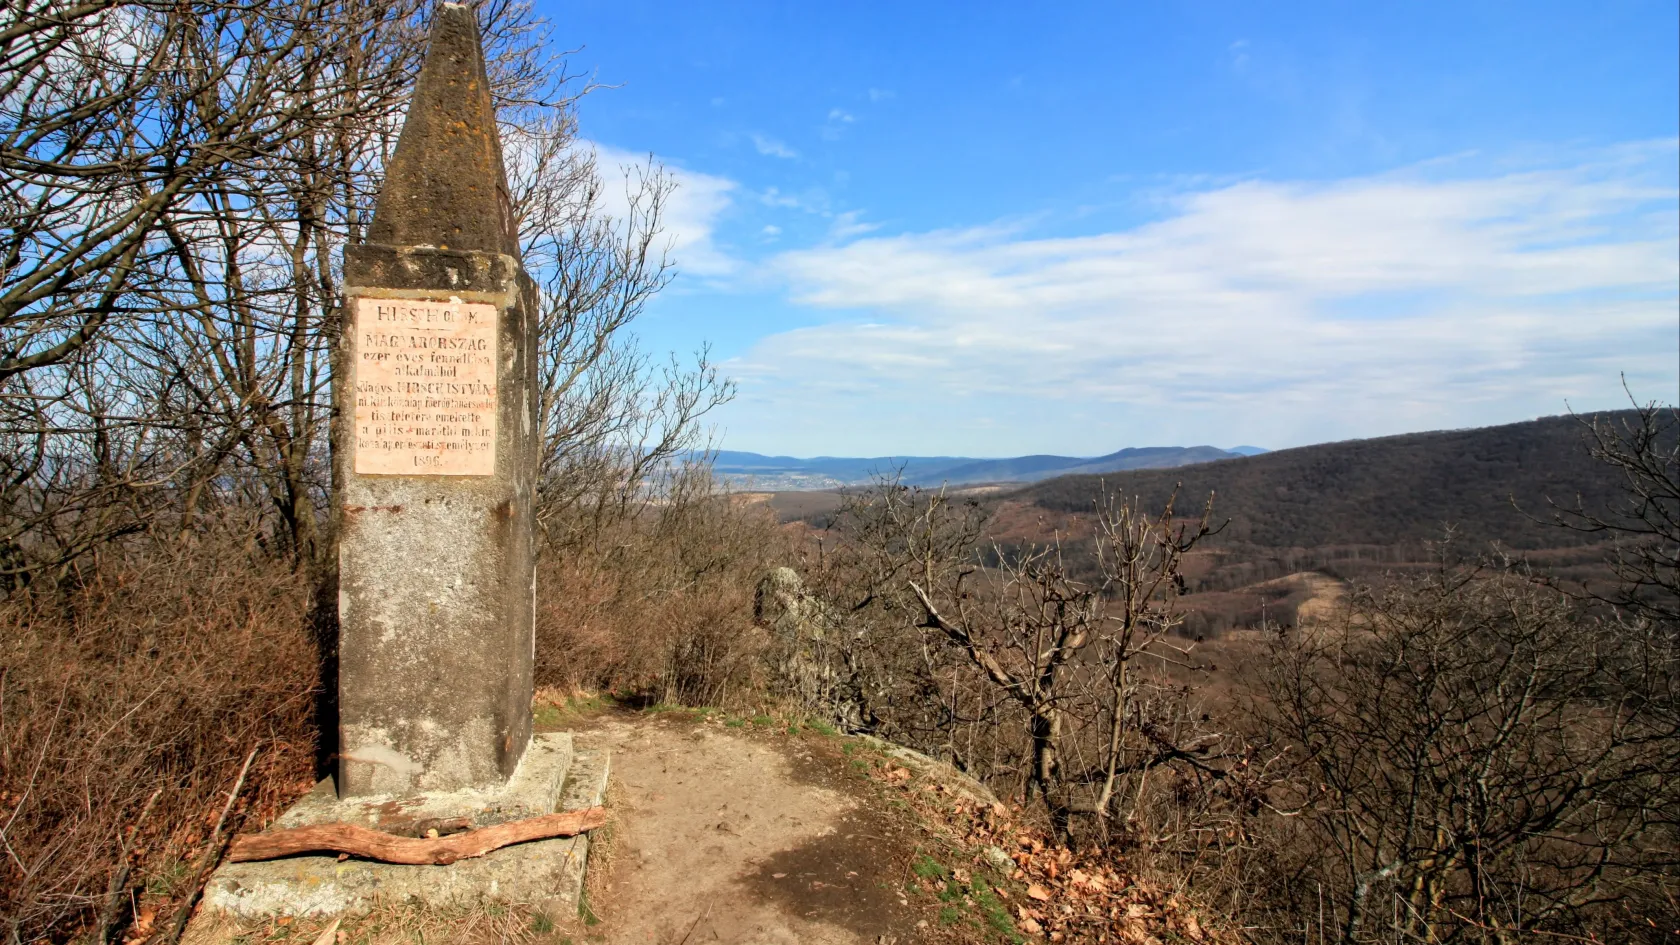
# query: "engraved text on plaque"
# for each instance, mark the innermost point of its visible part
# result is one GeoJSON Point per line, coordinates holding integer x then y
{"type": "Point", "coordinates": [425, 388]}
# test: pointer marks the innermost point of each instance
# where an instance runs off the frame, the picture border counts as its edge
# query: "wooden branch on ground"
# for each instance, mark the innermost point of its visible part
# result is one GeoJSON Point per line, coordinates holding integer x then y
{"type": "Point", "coordinates": [424, 851]}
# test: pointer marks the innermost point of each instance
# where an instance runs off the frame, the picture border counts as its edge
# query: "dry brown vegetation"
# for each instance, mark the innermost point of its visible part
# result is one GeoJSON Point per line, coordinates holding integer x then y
{"type": "Point", "coordinates": [179, 182]}
{"type": "Point", "coordinates": [659, 606]}
{"type": "Point", "coordinates": [1471, 754]}
{"type": "Point", "coordinates": [127, 706]}
{"type": "Point", "coordinates": [1460, 753]}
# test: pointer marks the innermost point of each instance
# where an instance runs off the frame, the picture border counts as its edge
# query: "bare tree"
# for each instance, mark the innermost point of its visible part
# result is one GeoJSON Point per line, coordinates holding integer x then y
{"type": "Point", "coordinates": [1474, 759]}
{"type": "Point", "coordinates": [113, 114]}
{"type": "Point", "coordinates": [1030, 638]}
{"type": "Point", "coordinates": [1644, 451]}
{"type": "Point", "coordinates": [891, 678]}
{"type": "Point", "coordinates": [944, 642]}
{"type": "Point", "coordinates": [176, 357]}
{"type": "Point", "coordinates": [123, 126]}
{"type": "Point", "coordinates": [1141, 560]}
{"type": "Point", "coordinates": [613, 419]}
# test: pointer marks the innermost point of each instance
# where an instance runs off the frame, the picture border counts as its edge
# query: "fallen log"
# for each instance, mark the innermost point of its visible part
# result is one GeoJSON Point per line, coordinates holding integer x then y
{"type": "Point", "coordinates": [411, 851]}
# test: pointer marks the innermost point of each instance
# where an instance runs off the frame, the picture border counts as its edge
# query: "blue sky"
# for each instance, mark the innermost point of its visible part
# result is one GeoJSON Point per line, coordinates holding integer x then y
{"type": "Point", "coordinates": [995, 229]}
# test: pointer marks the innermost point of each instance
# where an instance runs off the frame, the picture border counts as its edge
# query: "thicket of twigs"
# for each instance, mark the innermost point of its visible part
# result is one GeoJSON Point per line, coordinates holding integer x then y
{"type": "Point", "coordinates": [130, 703]}
{"type": "Point", "coordinates": [658, 606]}
{"type": "Point", "coordinates": [1474, 753]}
{"type": "Point", "coordinates": [177, 182]}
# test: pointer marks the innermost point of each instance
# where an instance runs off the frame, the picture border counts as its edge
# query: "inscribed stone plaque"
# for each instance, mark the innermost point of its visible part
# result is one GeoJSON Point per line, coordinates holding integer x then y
{"type": "Point", "coordinates": [425, 388]}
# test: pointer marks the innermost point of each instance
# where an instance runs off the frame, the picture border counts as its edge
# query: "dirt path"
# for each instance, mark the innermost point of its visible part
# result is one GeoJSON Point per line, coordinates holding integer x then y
{"type": "Point", "coordinates": [729, 835]}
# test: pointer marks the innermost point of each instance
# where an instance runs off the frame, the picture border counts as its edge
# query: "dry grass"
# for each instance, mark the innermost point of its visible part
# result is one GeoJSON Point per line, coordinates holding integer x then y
{"type": "Point", "coordinates": [388, 924]}
{"type": "Point", "coordinates": [129, 700]}
{"type": "Point", "coordinates": [604, 844]}
{"type": "Point", "coordinates": [127, 706]}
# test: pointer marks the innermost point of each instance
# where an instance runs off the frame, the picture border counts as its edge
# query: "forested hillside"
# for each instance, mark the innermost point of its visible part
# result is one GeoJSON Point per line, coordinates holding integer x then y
{"type": "Point", "coordinates": [1486, 483]}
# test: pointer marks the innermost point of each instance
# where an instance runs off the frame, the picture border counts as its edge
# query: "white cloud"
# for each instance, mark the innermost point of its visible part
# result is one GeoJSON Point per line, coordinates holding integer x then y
{"type": "Point", "coordinates": [770, 147]}
{"type": "Point", "coordinates": [847, 225]}
{"type": "Point", "coordinates": [691, 212]}
{"type": "Point", "coordinates": [810, 200]}
{"type": "Point", "coordinates": [835, 126]}
{"type": "Point", "coordinates": [877, 95]}
{"type": "Point", "coordinates": [1289, 311]}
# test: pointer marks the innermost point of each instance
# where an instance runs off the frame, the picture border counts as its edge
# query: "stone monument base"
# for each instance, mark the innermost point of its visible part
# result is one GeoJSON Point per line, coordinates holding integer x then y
{"type": "Point", "coordinates": [545, 874]}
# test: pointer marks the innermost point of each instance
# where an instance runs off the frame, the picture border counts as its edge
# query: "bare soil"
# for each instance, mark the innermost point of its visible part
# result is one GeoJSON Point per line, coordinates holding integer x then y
{"type": "Point", "coordinates": [729, 831]}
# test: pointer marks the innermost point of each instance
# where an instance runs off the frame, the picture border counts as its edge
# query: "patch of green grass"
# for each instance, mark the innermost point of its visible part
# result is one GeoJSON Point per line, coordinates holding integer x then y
{"type": "Point", "coordinates": [170, 880]}
{"type": "Point", "coordinates": [994, 912]}
{"type": "Point", "coordinates": [974, 902]}
{"type": "Point", "coordinates": [764, 720]}
{"type": "Point", "coordinates": [928, 868]}
{"type": "Point", "coordinates": [585, 912]}
{"type": "Point", "coordinates": [849, 747]}
{"type": "Point", "coordinates": [541, 923]}
{"type": "Point", "coordinates": [822, 727]}
{"type": "Point", "coordinates": [555, 714]}
{"type": "Point", "coordinates": [735, 723]}
{"type": "Point", "coordinates": [860, 764]}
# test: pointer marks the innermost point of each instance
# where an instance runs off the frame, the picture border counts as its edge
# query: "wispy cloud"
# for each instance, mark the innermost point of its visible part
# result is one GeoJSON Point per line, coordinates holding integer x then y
{"type": "Point", "coordinates": [1345, 308]}
{"type": "Point", "coordinates": [691, 212]}
{"type": "Point", "coordinates": [835, 126]}
{"type": "Point", "coordinates": [770, 147]}
{"type": "Point", "coordinates": [849, 224]}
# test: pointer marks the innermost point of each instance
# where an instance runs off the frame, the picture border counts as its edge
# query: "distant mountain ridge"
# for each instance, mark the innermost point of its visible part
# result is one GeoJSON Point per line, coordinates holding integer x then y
{"type": "Point", "coordinates": [755, 470]}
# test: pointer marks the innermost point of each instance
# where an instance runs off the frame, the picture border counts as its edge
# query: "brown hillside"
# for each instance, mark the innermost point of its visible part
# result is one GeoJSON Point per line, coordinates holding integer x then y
{"type": "Point", "coordinates": [1397, 490]}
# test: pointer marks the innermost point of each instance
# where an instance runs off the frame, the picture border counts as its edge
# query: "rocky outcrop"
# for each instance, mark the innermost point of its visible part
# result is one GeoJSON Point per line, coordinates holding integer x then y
{"type": "Point", "coordinates": [809, 649]}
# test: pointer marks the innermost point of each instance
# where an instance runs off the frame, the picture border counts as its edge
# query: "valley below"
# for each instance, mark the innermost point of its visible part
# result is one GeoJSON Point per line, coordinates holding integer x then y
{"type": "Point", "coordinates": [1299, 527]}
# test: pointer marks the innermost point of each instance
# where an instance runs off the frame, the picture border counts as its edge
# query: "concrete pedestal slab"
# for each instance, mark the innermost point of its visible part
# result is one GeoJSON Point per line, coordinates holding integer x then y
{"type": "Point", "coordinates": [546, 874]}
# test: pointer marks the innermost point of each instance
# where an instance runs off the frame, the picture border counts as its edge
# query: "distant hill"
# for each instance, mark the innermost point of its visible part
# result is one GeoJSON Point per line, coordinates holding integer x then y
{"type": "Point", "coordinates": [776, 473]}
{"type": "Point", "coordinates": [1387, 491]}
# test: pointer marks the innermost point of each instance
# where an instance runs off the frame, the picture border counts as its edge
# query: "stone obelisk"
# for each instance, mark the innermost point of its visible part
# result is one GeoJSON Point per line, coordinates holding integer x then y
{"type": "Point", "coordinates": [437, 452]}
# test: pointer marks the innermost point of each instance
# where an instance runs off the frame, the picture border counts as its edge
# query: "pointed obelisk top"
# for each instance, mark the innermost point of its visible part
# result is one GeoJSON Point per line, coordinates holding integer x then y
{"type": "Point", "coordinates": [445, 185]}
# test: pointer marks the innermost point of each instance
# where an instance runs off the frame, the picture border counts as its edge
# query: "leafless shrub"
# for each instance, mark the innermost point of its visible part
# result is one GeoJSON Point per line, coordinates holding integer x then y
{"type": "Point", "coordinates": [1644, 526]}
{"type": "Point", "coordinates": [1472, 758]}
{"type": "Point", "coordinates": [658, 605]}
{"type": "Point", "coordinates": [894, 680]}
{"type": "Point", "coordinates": [126, 708]}
{"type": "Point", "coordinates": [1013, 668]}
